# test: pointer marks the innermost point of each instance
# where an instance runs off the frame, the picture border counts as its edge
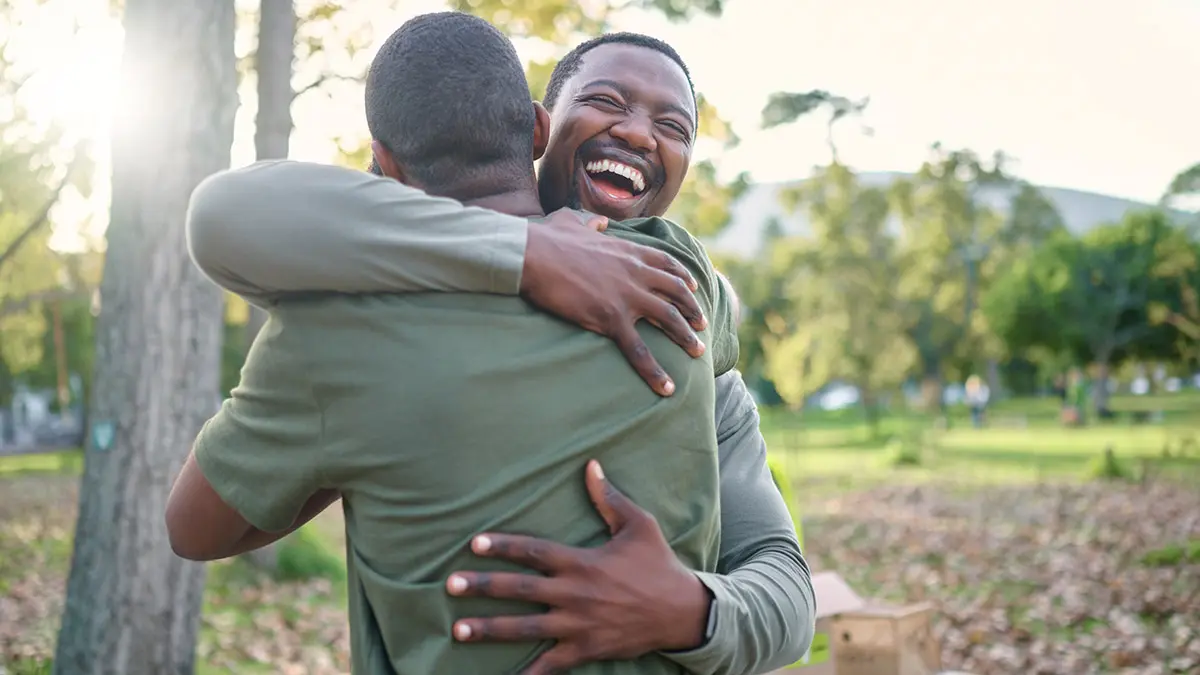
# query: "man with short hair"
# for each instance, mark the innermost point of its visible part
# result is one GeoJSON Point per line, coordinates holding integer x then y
{"type": "Point", "coordinates": [483, 388]}
{"type": "Point", "coordinates": [617, 102]}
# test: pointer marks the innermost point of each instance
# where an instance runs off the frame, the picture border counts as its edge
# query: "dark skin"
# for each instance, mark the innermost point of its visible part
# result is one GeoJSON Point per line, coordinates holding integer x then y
{"type": "Point", "coordinates": [631, 596]}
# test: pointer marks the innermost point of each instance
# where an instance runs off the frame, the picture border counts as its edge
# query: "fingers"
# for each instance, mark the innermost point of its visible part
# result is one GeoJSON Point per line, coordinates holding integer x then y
{"type": "Point", "coordinates": [659, 260]}
{"type": "Point", "coordinates": [666, 317]}
{"type": "Point", "coordinates": [639, 356]}
{"type": "Point", "coordinates": [599, 490]}
{"type": "Point", "coordinates": [538, 554]}
{"type": "Point", "coordinates": [507, 586]}
{"type": "Point", "coordinates": [676, 291]}
{"type": "Point", "coordinates": [529, 628]}
{"type": "Point", "coordinates": [617, 510]}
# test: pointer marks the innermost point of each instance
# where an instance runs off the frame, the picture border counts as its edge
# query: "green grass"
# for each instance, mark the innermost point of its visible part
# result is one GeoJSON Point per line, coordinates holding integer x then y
{"type": "Point", "coordinates": [1174, 554]}
{"type": "Point", "coordinates": [1023, 442]}
{"type": "Point", "coordinates": [68, 462]}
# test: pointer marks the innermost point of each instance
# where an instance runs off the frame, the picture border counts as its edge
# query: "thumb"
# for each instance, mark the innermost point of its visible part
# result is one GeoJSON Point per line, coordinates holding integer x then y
{"type": "Point", "coordinates": [615, 508]}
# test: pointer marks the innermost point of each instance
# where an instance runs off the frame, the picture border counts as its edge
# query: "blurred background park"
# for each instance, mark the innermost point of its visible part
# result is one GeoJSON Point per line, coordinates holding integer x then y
{"type": "Point", "coordinates": [964, 235]}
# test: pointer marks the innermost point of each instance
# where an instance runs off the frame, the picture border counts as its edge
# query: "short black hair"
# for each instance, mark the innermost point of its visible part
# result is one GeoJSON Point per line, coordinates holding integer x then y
{"type": "Point", "coordinates": [569, 65]}
{"type": "Point", "coordinates": [447, 95]}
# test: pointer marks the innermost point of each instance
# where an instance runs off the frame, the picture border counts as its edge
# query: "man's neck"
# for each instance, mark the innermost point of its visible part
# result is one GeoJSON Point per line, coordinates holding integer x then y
{"type": "Point", "coordinates": [523, 203]}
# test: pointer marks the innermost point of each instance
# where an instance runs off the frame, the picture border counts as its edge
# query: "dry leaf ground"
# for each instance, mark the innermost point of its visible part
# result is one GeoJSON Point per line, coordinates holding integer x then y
{"type": "Point", "coordinates": [1035, 579]}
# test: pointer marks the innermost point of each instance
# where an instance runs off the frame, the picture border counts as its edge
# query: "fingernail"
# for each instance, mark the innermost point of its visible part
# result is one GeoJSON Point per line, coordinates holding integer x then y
{"type": "Point", "coordinates": [462, 631]}
{"type": "Point", "coordinates": [456, 584]}
{"type": "Point", "coordinates": [668, 387]}
{"type": "Point", "coordinates": [700, 348]}
{"type": "Point", "coordinates": [483, 543]}
{"type": "Point", "coordinates": [597, 471]}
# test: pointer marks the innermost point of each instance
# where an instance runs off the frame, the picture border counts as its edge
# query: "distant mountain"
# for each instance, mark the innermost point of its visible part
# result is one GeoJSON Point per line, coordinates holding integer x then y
{"type": "Point", "coordinates": [1081, 211]}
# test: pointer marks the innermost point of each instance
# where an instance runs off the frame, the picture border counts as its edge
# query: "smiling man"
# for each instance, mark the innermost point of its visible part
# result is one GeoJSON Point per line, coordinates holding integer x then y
{"type": "Point", "coordinates": [621, 135]}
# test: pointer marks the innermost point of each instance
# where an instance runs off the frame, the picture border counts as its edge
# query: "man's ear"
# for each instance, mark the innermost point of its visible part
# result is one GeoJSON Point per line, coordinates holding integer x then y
{"type": "Point", "coordinates": [541, 130]}
{"type": "Point", "coordinates": [388, 166]}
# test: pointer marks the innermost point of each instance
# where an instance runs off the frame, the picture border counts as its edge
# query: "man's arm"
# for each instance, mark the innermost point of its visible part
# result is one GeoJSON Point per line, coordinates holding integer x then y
{"type": "Point", "coordinates": [255, 471]}
{"type": "Point", "coordinates": [763, 597]}
{"type": "Point", "coordinates": [282, 227]}
{"type": "Point", "coordinates": [279, 227]}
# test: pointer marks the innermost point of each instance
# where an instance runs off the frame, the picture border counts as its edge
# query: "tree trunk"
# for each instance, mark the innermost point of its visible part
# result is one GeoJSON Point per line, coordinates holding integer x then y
{"type": "Point", "coordinates": [272, 134]}
{"type": "Point", "coordinates": [132, 606]}
{"type": "Point", "coordinates": [1100, 389]}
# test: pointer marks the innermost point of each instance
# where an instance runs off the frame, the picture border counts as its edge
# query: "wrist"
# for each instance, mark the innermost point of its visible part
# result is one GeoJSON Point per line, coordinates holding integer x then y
{"type": "Point", "coordinates": [691, 609]}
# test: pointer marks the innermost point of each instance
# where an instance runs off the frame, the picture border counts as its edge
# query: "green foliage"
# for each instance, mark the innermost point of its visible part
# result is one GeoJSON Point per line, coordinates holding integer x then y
{"type": "Point", "coordinates": [37, 163]}
{"type": "Point", "coordinates": [902, 452]}
{"type": "Point", "coordinates": [1090, 297]}
{"type": "Point", "coordinates": [1107, 467]}
{"type": "Point", "coordinates": [31, 666]}
{"type": "Point", "coordinates": [305, 555]}
{"type": "Point", "coordinates": [840, 282]}
{"type": "Point", "coordinates": [1187, 552]}
{"type": "Point", "coordinates": [1187, 182]}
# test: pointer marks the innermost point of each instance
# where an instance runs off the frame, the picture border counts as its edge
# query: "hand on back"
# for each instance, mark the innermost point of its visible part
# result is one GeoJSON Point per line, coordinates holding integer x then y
{"type": "Point", "coordinates": [607, 285]}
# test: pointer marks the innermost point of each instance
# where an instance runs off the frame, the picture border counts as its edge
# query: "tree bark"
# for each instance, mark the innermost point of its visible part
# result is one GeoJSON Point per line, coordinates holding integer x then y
{"type": "Point", "coordinates": [273, 62]}
{"type": "Point", "coordinates": [272, 135]}
{"type": "Point", "coordinates": [132, 606]}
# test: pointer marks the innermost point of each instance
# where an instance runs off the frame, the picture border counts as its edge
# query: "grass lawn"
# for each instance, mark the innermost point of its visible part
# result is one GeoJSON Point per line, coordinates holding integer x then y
{"type": "Point", "coordinates": [1022, 443]}
{"type": "Point", "coordinates": [1027, 561]}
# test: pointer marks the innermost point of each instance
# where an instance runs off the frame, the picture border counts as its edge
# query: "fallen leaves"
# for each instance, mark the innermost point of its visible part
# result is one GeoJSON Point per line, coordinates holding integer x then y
{"type": "Point", "coordinates": [1045, 579]}
{"type": "Point", "coordinates": [1033, 580]}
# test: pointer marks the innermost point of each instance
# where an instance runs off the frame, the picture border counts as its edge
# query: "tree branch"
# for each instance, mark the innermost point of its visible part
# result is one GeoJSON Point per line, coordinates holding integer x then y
{"type": "Point", "coordinates": [324, 78]}
{"type": "Point", "coordinates": [42, 217]}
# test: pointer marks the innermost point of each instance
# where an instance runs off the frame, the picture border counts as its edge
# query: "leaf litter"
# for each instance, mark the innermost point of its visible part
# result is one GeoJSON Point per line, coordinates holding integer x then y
{"type": "Point", "coordinates": [1048, 579]}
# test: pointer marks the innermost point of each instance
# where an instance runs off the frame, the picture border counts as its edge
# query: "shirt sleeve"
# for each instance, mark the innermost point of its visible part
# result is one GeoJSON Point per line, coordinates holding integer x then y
{"type": "Point", "coordinates": [762, 591]}
{"type": "Point", "coordinates": [281, 226]}
{"type": "Point", "coordinates": [262, 452]}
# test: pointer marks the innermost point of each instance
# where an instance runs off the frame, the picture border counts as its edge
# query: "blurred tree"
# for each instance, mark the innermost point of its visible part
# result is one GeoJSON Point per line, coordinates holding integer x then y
{"type": "Point", "coordinates": [785, 108]}
{"type": "Point", "coordinates": [132, 606]}
{"type": "Point", "coordinates": [39, 164]}
{"type": "Point", "coordinates": [1186, 183]}
{"type": "Point", "coordinates": [1087, 297]}
{"type": "Point", "coordinates": [1179, 264]}
{"type": "Point", "coordinates": [955, 242]}
{"type": "Point", "coordinates": [846, 324]}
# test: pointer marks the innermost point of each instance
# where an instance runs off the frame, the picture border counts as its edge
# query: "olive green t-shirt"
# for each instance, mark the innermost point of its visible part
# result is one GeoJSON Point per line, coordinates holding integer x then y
{"type": "Point", "coordinates": [442, 415]}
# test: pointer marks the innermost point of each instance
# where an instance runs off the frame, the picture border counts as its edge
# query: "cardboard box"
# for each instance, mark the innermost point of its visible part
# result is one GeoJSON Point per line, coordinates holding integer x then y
{"type": "Point", "coordinates": [854, 637]}
{"type": "Point", "coordinates": [834, 596]}
{"type": "Point", "coordinates": [885, 640]}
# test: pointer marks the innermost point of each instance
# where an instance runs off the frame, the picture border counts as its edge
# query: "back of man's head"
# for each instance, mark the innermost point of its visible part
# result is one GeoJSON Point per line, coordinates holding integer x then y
{"type": "Point", "coordinates": [447, 97]}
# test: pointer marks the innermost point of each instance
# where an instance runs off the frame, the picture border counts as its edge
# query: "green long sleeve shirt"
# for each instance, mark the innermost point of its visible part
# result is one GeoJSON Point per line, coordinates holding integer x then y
{"type": "Point", "coordinates": [263, 232]}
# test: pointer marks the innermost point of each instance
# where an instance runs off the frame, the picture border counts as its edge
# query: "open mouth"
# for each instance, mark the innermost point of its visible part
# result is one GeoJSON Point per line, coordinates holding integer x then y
{"type": "Point", "coordinates": [616, 180]}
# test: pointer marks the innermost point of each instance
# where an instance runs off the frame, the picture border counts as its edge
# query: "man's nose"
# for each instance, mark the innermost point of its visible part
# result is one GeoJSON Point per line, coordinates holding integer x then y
{"type": "Point", "coordinates": [637, 131]}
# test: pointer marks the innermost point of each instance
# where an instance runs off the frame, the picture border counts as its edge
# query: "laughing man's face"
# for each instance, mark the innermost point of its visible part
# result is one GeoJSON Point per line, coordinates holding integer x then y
{"type": "Point", "coordinates": [620, 135]}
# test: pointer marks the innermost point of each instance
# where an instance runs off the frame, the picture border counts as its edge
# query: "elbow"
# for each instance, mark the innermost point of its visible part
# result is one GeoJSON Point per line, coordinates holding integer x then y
{"type": "Point", "coordinates": [181, 536]}
{"type": "Point", "coordinates": [209, 218]}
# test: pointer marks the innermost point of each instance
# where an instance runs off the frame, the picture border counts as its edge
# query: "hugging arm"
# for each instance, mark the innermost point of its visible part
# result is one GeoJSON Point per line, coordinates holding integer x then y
{"type": "Point", "coordinates": [255, 472]}
{"type": "Point", "coordinates": [762, 592]}
{"type": "Point", "coordinates": [282, 227]}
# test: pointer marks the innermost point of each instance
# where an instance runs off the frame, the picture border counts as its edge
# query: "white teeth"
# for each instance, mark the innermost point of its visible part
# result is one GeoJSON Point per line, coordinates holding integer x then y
{"type": "Point", "coordinates": [634, 176]}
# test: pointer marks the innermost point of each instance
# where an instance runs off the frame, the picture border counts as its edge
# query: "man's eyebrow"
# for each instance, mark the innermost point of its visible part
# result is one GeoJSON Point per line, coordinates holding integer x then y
{"type": "Point", "coordinates": [624, 92]}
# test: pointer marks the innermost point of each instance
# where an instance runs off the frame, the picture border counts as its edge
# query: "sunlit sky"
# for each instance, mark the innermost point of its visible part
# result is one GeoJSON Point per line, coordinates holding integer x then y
{"type": "Point", "coordinates": [1095, 95]}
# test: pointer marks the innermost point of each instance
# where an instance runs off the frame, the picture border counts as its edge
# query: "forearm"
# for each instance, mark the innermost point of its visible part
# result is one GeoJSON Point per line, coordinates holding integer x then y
{"type": "Point", "coordinates": [763, 597]}
{"type": "Point", "coordinates": [281, 227]}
